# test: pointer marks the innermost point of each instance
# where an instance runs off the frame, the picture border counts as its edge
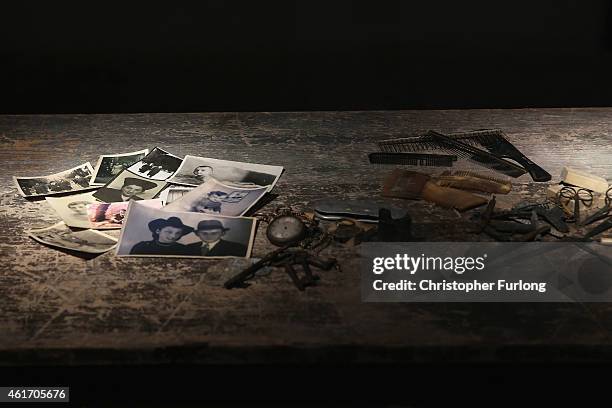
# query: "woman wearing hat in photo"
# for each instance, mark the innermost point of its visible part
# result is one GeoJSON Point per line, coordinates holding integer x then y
{"type": "Point", "coordinates": [166, 233]}
{"type": "Point", "coordinates": [132, 186]}
{"type": "Point", "coordinates": [211, 233]}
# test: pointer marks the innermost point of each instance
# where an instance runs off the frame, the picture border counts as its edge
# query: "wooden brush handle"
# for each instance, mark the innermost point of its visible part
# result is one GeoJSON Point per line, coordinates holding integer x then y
{"type": "Point", "coordinates": [451, 197]}
{"type": "Point", "coordinates": [473, 184]}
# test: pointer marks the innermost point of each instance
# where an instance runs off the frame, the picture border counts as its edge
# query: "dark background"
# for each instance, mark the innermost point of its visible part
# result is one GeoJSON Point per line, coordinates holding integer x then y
{"type": "Point", "coordinates": [305, 55]}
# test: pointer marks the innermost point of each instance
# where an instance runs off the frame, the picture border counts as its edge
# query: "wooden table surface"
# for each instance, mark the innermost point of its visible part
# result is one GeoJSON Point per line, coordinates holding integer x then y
{"type": "Point", "coordinates": [58, 307]}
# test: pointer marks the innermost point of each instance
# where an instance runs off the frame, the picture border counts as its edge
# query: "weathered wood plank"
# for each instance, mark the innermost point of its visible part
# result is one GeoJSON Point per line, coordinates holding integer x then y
{"type": "Point", "coordinates": [52, 300]}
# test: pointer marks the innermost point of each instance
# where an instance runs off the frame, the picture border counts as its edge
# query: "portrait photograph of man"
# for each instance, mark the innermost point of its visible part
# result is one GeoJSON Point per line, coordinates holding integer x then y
{"type": "Point", "coordinates": [127, 186]}
{"type": "Point", "coordinates": [211, 233]}
{"type": "Point", "coordinates": [198, 170]}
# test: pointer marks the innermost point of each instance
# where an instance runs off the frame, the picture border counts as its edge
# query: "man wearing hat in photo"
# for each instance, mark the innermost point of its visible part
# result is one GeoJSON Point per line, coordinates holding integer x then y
{"type": "Point", "coordinates": [211, 233]}
{"type": "Point", "coordinates": [132, 186]}
{"type": "Point", "coordinates": [165, 233]}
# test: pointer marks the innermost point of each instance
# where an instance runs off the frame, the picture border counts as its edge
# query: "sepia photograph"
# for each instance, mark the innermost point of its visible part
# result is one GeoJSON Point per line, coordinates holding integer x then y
{"type": "Point", "coordinates": [111, 215]}
{"type": "Point", "coordinates": [157, 165]}
{"type": "Point", "coordinates": [74, 179]}
{"type": "Point", "coordinates": [61, 236]}
{"type": "Point", "coordinates": [73, 208]}
{"type": "Point", "coordinates": [214, 197]}
{"type": "Point", "coordinates": [108, 166]}
{"type": "Point", "coordinates": [197, 170]}
{"type": "Point", "coordinates": [127, 186]}
{"type": "Point", "coordinates": [173, 193]}
{"type": "Point", "coordinates": [154, 232]}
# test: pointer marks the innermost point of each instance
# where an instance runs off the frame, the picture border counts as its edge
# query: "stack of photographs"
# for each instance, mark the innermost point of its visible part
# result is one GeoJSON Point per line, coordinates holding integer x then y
{"type": "Point", "coordinates": [164, 205]}
{"type": "Point", "coordinates": [142, 180]}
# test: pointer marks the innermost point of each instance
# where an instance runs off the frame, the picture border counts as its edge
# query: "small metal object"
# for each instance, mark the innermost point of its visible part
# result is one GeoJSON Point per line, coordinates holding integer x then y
{"type": "Point", "coordinates": [361, 210]}
{"type": "Point", "coordinates": [305, 260]}
{"type": "Point", "coordinates": [300, 240]}
{"type": "Point", "coordinates": [286, 229]}
{"type": "Point", "coordinates": [287, 258]}
{"type": "Point", "coordinates": [239, 279]}
{"type": "Point", "coordinates": [603, 212]}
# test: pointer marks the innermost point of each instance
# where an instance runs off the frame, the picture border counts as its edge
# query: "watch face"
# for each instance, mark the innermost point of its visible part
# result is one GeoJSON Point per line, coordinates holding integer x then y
{"type": "Point", "coordinates": [286, 229]}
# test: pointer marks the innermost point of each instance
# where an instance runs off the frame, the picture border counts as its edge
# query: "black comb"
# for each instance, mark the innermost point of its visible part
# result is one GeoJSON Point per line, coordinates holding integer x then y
{"type": "Point", "coordinates": [437, 141]}
{"type": "Point", "coordinates": [413, 159]}
{"type": "Point", "coordinates": [496, 143]}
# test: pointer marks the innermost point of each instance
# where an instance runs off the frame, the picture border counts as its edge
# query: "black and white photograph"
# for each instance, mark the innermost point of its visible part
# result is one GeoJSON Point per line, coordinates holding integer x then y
{"type": "Point", "coordinates": [157, 165]}
{"type": "Point", "coordinates": [197, 170]}
{"type": "Point", "coordinates": [112, 215]}
{"type": "Point", "coordinates": [173, 193]}
{"type": "Point", "coordinates": [61, 236]}
{"type": "Point", "coordinates": [128, 186]}
{"type": "Point", "coordinates": [214, 197]}
{"type": "Point", "coordinates": [74, 179]}
{"type": "Point", "coordinates": [108, 166]}
{"type": "Point", "coordinates": [73, 208]}
{"type": "Point", "coordinates": [151, 232]}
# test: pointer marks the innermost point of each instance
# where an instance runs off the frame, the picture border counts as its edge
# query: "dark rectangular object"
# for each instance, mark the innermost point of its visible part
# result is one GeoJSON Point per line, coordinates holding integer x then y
{"type": "Point", "coordinates": [413, 159]}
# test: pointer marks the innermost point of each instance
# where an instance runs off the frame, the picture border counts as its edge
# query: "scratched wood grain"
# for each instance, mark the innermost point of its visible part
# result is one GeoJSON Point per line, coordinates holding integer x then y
{"type": "Point", "coordinates": [58, 307]}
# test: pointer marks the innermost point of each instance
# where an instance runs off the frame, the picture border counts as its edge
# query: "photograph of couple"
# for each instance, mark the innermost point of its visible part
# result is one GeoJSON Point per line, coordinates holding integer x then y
{"type": "Point", "coordinates": [153, 232]}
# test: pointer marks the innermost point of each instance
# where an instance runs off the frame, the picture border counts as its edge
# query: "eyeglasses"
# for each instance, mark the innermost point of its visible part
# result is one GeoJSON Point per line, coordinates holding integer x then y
{"type": "Point", "coordinates": [579, 195]}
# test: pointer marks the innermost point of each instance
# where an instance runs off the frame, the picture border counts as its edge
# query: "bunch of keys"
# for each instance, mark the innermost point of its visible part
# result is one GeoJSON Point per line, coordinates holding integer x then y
{"type": "Point", "coordinates": [291, 234]}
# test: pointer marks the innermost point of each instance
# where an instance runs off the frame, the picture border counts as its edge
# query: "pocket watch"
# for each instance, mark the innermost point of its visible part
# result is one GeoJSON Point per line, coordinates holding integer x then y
{"type": "Point", "coordinates": [285, 230]}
